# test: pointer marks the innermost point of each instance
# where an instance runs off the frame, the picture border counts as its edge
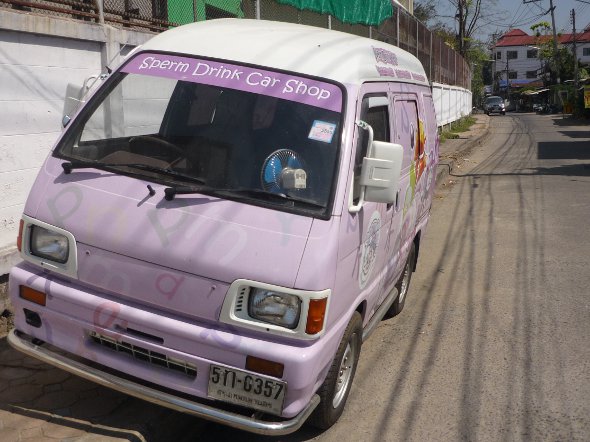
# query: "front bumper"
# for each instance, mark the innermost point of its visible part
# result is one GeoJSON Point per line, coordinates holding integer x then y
{"type": "Point", "coordinates": [74, 313]}
{"type": "Point", "coordinates": [24, 344]}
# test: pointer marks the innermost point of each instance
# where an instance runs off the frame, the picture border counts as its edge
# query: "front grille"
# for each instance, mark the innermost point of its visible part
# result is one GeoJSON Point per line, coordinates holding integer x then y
{"type": "Point", "coordinates": [143, 354]}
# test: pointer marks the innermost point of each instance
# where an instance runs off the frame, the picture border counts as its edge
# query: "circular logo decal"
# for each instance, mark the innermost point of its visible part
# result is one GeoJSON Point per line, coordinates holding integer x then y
{"type": "Point", "coordinates": [369, 249]}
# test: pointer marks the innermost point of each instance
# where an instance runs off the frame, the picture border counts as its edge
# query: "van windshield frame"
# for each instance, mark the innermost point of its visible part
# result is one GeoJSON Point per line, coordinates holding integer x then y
{"type": "Point", "coordinates": [234, 126]}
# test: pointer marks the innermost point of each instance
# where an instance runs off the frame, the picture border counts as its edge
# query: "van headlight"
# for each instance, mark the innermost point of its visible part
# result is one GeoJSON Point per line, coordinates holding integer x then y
{"type": "Point", "coordinates": [274, 307]}
{"type": "Point", "coordinates": [49, 245]}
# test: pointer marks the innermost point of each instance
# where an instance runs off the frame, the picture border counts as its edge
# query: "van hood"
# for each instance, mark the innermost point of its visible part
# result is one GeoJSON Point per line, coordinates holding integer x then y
{"type": "Point", "coordinates": [199, 234]}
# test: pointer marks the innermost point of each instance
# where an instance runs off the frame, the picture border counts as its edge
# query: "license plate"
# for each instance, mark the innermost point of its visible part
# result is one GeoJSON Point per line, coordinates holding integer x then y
{"type": "Point", "coordinates": [247, 389]}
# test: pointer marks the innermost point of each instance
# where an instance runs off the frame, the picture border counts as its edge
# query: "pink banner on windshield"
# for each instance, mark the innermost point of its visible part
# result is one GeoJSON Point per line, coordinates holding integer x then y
{"type": "Point", "coordinates": [259, 81]}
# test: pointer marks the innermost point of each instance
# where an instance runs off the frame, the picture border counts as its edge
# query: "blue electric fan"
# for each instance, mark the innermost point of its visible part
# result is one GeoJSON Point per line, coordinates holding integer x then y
{"type": "Point", "coordinates": [275, 164]}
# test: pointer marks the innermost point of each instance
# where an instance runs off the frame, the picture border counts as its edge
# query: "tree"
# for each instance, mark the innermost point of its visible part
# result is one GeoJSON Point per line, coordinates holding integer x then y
{"type": "Point", "coordinates": [467, 16]}
{"type": "Point", "coordinates": [478, 58]}
{"type": "Point", "coordinates": [558, 64]}
{"type": "Point", "coordinates": [446, 34]}
{"type": "Point", "coordinates": [425, 11]}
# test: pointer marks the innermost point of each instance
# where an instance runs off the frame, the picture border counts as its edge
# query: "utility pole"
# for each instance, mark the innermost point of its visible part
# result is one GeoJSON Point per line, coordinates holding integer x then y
{"type": "Point", "coordinates": [507, 79]}
{"type": "Point", "coordinates": [552, 9]}
{"type": "Point", "coordinates": [495, 79]}
{"type": "Point", "coordinates": [557, 67]}
{"type": "Point", "coordinates": [575, 54]}
{"type": "Point", "coordinates": [460, 17]}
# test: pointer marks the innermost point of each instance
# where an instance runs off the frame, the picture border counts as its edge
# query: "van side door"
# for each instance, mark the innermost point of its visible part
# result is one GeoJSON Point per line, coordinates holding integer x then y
{"type": "Point", "coordinates": [406, 131]}
{"type": "Point", "coordinates": [363, 234]}
{"type": "Point", "coordinates": [430, 159]}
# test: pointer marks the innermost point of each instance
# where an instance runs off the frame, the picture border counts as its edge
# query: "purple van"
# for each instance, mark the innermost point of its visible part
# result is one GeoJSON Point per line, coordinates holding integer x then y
{"type": "Point", "coordinates": [224, 222]}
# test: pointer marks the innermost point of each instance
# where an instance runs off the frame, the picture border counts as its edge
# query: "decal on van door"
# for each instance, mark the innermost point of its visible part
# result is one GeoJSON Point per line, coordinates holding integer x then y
{"type": "Point", "coordinates": [420, 154]}
{"type": "Point", "coordinates": [409, 132]}
{"type": "Point", "coordinates": [369, 249]}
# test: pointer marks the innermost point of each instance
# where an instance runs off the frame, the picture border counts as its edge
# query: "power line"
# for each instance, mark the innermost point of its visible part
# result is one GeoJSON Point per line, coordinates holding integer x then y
{"type": "Point", "coordinates": [513, 24]}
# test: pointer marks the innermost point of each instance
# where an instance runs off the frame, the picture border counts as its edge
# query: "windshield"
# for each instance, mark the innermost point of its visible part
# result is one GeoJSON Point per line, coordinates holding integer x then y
{"type": "Point", "coordinates": [494, 100]}
{"type": "Point", "coordinates": [222, 127]}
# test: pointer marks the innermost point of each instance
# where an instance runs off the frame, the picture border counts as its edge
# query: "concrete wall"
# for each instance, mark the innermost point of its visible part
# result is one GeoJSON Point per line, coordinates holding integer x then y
{"type": "Point", "coordinates": [43, 60]}
{"type": "Point", "coordinates": [451, 103]}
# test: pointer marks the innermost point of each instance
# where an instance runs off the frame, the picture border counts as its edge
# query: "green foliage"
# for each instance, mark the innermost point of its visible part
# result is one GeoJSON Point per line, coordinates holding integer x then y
{"type": "Point", "coordinates": [558, 63]}
{"type": "Point", "coordinates": [446, 34]}
{"type": "Point", "coordinates": [458, 126]}
{"type": "Point", "coordinates": [478, 58]}
{"type": "Point", "coordinates": [541, 28]}
{"type": "Point", "coordinates": [425, 10]}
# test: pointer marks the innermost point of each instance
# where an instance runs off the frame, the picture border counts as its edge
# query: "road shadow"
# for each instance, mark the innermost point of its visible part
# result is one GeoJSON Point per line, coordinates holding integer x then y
{"type": "Point", "coordinates": [558, 150]}
{"type": "Point", "coordinates": [38, 397]}
{"type": "Point", "coordinates": [566, 170]}
{"type": "Point", "coordinates": [576, 133]}
{"type": "Point", "coordinates": [570, 121]}
{"type": "Point", "coordinates": [35, 395]}
{"type": "Point", "coordinates": [474, 239]}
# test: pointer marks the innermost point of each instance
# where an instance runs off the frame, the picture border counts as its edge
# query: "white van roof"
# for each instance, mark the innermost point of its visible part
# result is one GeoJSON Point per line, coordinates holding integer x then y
{"type": "Point", "coordinates": [334, 55]}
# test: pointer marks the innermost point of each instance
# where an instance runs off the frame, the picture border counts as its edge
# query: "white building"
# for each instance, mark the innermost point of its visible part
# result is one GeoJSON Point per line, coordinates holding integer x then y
{"type": "Point", "coordinates": [516, 55]}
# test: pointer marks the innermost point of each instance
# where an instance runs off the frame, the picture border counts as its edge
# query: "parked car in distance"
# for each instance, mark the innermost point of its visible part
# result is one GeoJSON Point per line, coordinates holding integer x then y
{"type": "Point", "coordinates": [494, 104]}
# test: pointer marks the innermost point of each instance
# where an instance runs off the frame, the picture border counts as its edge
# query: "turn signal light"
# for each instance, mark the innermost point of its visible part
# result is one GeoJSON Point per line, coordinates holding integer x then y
{"type": "Point", "coordinates": [316, 315]}
{"type": "Point", "coordinates": [32, 295]}
{"type": "Point", "coordinates": [263, 366]}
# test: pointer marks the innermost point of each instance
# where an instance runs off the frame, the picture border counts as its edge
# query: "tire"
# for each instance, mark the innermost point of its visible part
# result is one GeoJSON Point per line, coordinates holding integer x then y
{"type": "Point", "coordinates": [334, 391]}
{"type": "Point", "coordinates": [403, 285]}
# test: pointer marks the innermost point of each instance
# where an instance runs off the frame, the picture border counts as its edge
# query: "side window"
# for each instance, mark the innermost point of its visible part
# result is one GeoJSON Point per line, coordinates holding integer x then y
{"type": "Point", "coordinates": [378, 118]}
{"type": "Point", "coordinates": [374, 110]}
{"type": "Point", "coordinates": [143, 100]}
{"type": "Point", "coordinates": [407, 130]}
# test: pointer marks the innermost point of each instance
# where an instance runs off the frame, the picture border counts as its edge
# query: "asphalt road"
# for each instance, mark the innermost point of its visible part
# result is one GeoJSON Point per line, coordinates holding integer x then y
{"type": "Point", "coordinates": [493, 343]}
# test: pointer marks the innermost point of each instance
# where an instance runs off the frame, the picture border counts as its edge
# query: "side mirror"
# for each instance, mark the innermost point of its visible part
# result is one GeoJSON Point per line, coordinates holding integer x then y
{"type": "Point", "coordinates": [76, 96]}
{"type": "Point", "coordinates": [380, 172]}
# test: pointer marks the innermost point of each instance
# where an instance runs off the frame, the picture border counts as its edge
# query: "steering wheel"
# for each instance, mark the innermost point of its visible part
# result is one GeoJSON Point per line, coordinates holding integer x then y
{"type": "Point", "coordinates": [151, 145]}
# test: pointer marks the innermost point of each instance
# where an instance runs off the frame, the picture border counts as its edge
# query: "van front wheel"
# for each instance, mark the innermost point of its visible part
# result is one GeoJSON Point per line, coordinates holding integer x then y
{"type": "Point", "coordinates": [334, 391]}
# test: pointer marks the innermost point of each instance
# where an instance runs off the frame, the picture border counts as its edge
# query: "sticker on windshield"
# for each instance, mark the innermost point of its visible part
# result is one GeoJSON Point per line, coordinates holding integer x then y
{"type": "Point", "coordinates": [322, 131]}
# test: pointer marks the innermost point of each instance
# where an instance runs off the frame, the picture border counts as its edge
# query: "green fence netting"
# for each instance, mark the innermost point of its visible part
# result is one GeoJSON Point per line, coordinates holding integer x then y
{"type": "Point", "coordinates": [367, 12]}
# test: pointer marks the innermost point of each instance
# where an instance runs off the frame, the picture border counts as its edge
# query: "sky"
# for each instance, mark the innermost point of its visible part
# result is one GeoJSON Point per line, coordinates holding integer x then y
{"type": "Point", "coordinates": [518, 15]}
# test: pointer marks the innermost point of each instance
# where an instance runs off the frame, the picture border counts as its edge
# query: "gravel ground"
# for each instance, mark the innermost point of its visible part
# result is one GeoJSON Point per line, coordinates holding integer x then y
{"type": "Point", "coordinates": [5, 313]}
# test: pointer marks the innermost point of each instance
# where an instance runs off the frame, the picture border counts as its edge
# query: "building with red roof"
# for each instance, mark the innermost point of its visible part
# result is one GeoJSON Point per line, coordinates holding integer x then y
{"type": "Point", "coordinates": [516, 55]}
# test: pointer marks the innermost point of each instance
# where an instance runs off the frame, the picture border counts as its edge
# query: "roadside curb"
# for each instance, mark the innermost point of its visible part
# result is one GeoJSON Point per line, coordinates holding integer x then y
{"type": "Point", "coordinates": [449, 159]}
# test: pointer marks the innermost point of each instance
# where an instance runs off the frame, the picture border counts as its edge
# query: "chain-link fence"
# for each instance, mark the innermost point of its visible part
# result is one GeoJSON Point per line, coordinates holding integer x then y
{"type": "Point", "coordinates": [78, 9]}
{"type": "Point", "coordinates": [441, 62]}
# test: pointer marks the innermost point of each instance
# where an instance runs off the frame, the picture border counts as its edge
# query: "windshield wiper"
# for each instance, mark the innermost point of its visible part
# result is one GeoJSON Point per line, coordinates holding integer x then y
{"type": "Point", "coordinates": [171, 192]}
{"type": "Point", "coordinates": [71, 165]}
{"type": "Point", "coordinates": [272, 196]}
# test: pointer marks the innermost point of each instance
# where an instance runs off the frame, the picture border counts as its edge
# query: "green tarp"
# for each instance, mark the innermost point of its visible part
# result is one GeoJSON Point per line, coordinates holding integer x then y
{"type": "Point", "coordinates": [368, 12]}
